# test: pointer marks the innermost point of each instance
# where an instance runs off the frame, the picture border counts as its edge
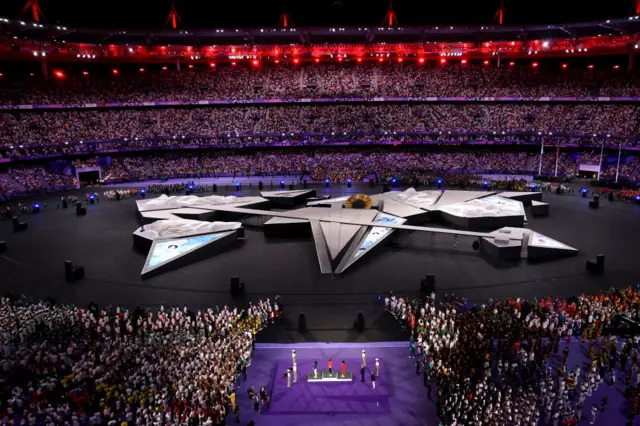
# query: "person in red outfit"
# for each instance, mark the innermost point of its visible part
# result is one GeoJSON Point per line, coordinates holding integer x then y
{"type": "Point", "coordinates": [330, 365]}
{"type": "Point", "coordinates": [342, 368]}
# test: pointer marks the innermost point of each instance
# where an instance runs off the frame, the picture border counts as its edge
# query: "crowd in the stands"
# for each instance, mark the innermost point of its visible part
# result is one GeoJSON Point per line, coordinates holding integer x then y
{"type": "Point", "coordinates": [319, 80]}
{"type": "Point", "coordinates": [64, 130]}
{"type": "Point", "coordinates": [62, 364]}
{"type": "Point", "coordinates": [337, 165]}
{"type": "Point", "coordinates": [501, 363]}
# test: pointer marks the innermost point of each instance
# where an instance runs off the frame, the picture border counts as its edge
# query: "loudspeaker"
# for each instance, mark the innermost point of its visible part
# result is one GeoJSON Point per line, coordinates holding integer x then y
{"type": "Point", "coordinates": [78, 273]}
{"type": "Point", "coordinates": [241, 235]}
{"type": "Point", "coordinates": [594, 204]}
{"type": "Point", "coordinates": [428, 284]}
{"type": "Point", "coordinates": [558, 190]}
{"type": "Point", "coordinates": [349, 184]}
{"type": "Point", "coordinates": [360, 322]}
{"type": "Point", "coordinates": [610, 196]}
{"type": "Point", "coordinates": [72, 274]}
{"type": "Point", "coordinates": [596, 266]}
{"type": "Point", "coordinates": [18, 225]}
{"type": "Point", "coordinates": [237, 287]}
{"type": "Point", "coordinates": [302, 323]}
{"type": "Point", "coordinates": [260, 185]}
{"type": "Point", "coordinates": [215, 188]}
{"type": "Point", "coordinates": [65, 203]}
{"type": "Point", "coordinates": [304, 184]}
{"type": "Point", "coordinates": [92, 200]}
{"type": "Point", "coordinates": [596, 198]}
{"type": "Point", "coordinates": [80, 211]}
{"type": "Point", "coordinates": [386, 188]}
{"type": "Point", "coordinates": [3, 246]}
{"type": "Point", "coordinates": [290, 187]}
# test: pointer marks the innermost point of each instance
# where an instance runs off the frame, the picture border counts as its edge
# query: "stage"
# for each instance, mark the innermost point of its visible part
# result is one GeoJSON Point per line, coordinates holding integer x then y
{"type": "Point", "coordinates": [399, 397]}
{"type": "Point", "coordinates": [102, 242]}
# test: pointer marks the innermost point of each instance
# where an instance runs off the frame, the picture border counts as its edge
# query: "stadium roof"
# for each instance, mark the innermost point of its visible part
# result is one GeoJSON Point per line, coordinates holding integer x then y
{"type": "Point", "coordinates": [318, 35]}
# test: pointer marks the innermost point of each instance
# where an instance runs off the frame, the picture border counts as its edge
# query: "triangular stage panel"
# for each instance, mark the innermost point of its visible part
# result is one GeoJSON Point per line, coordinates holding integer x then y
{"type": "Point", "coordinates": [372, 238]}
{"type": "Point", "coordinates": [337, 236]}
{"type": "Point", "coordinates": [176, 252]}
{"type": "Point", "coordinates": [541, 246]}
{"type": "Point", "coordinates": [452, 196]}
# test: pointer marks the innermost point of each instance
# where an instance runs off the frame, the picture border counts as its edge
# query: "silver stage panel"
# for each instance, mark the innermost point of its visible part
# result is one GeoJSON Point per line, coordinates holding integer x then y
{"type": "Point", "coordinates": [539, 208]}
{"type": "Point", "coordinates": [525, 197]}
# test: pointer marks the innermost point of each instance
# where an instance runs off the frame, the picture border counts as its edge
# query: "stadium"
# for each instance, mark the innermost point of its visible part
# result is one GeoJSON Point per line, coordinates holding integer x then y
{"type": "Point", "coordinates": [413, 221]}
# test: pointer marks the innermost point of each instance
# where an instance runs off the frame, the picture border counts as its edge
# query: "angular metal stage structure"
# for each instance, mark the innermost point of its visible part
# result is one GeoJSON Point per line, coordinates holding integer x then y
{"type": "Point", "coordinates": [344, 229]}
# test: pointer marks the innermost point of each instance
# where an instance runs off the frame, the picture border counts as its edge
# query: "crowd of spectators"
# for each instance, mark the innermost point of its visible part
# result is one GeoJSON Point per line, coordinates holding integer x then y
{"type": "Point", "coordinates": [67, 365]}
{"type": "Point", "coordinates": [500, 363]}
{"type": "Point", "coordinates": [404, 164]}
{"type": "Point", "coordinates": [65, 129]}
{"type": "Point", "coordinates": [36, 178]}
{"type": "Point", "coordinates": [318, 80]}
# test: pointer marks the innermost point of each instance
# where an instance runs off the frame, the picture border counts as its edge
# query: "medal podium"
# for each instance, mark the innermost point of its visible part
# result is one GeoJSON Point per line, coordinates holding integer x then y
{"type": "Point", "coordinates": [324, 377]}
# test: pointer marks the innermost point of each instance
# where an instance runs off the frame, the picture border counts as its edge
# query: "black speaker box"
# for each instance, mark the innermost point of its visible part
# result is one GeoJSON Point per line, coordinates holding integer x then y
{"type": "Point", "coordinates": [3, 246]}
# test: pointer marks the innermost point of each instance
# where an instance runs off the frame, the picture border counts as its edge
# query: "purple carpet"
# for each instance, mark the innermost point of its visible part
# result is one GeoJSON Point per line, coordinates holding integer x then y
{"type": "Point", "coordinates": [399, 398]}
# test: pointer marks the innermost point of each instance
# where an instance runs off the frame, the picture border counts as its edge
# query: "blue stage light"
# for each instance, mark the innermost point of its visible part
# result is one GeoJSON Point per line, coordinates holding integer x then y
{"type": "Point", "coordinates": [281, 182]}
{"type": "Point", "coordinates": [36, 206]}
{"type": "Point", "coordinates": [142, 191]}
{"type": "Point", "coordinates": [637, 197]}
{"type": "Point", "coordinates": [237, 184]}
{"type": "Point", "coordinates": [485, 183]}
{"type": "Point", "coordinates": [349, 180]}
{"type": "Point", "coordinates": [326, 180]}
{"type": "Point", "coordinates": [439, 181]}
{"type": "Point", "coordinates": [190, 186]}
{"type": "Point", "coordinates": [91, 197]}
{"type": "Point", "coordinates": [584, 190]}
{"type": "Point", "coordinates": [393, 180]}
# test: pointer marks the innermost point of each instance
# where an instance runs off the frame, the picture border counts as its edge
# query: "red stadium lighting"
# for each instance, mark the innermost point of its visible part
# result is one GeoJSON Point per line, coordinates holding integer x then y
{"type": "Point", "coordinates": [115, 71]}
{"type": "Point", "coordinates": [32, 74]}
{"type": "Point", "coordinates": [85, 73]}
{"type": "Point", "coordinates": [615, 67]}
{"type": "Point", "coordinates": [317, 60]}
{"type": "Point", "coordinates": [359, 59]}
{"type": "Point", "coordinates": [535, 65]}
{"type": "Point", "coordinates": [141, 69]}
{"type": "Point", "coordinates": [255, 62]}
{"type": "Point", "coordinates": [564, 66]}
{"type": "Point", "coordinates": [1, 75]}
{"type": "Point", "coordinates": [164, 68]}
{"type": "Point", "coordinates": [212, 65]}
{"type": "Point", "coordinates": [58, 74]}
{"type": "Point", "coordinates": [339, 59]}
{"type": "Point", "coordinates": [464, 61]}
{"type": "Point", "coordinates": [381, 60]}
{"type": "Point", "coordinates": [190, 66]}
{"type": "Point", "coordinates": [443, 61]}
{"type": "Point", "coordinates": [277, 61]}
{"type": "Point", "coordinates": [486, 62]}
{"type": "Point", "coordinates": [511, 64]}
{"type": "Point", "coordinates": [233, 64]}
{"type": "Point", "coordinates": [400, 60]}
{"type": "Point", "coordinates": [296, 60]}
{"type": "Point", "coordinates": [590, 67]}
{"type": "Point", "coordinates": [421, 60]}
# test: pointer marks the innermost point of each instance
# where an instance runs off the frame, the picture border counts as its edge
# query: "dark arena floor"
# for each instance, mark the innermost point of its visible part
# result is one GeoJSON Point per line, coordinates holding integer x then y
{"type": "Point", "coordinates": [102, 243]}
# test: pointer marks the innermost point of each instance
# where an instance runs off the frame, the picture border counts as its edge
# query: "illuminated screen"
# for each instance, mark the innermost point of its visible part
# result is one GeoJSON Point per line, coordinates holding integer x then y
{"type": "Point", "coordinates": [377, 232]}
{"type": "Point", "coordinates": [165, 251]}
